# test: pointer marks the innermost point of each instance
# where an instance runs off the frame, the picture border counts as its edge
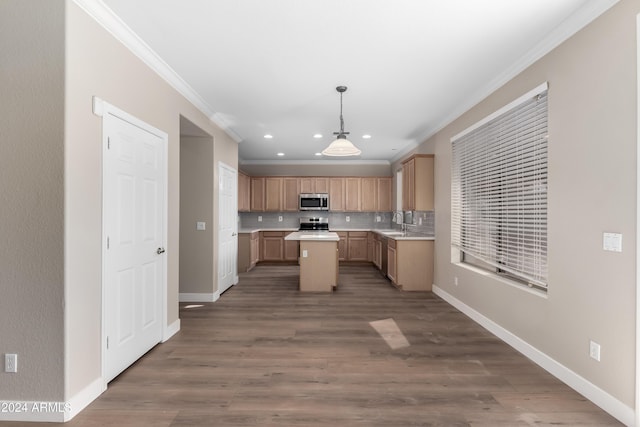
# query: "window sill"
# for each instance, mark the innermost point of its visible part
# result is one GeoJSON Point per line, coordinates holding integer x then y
{"type": "Point", "coordinates": [502, 279]}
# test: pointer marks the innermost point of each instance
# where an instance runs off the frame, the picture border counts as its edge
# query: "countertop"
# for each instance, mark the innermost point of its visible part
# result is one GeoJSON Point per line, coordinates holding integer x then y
{"type": "Point", "coordinates": [316, 236]}
{"type": "Point", "coordinates": [388, 233]}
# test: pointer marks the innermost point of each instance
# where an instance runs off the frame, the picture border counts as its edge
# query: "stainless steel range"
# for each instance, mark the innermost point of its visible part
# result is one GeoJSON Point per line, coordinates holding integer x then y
{"type": "Point", "coordinates": [314, 224]}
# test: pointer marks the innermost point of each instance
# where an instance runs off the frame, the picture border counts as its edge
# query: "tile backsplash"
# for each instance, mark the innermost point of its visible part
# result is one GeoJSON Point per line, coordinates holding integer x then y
{"type": "Point", "coordinates": [423, 221]}
{"type": "Point", "coordinates": [337, 220]}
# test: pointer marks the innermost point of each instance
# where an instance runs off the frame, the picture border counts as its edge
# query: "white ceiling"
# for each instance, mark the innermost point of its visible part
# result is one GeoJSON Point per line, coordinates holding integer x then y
{"type": "Point", "coordinates": [261, 67]}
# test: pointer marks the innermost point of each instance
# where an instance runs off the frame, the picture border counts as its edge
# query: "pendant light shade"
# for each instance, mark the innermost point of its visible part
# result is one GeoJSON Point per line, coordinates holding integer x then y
{"type": "Point", "coordinates": [341, 147]}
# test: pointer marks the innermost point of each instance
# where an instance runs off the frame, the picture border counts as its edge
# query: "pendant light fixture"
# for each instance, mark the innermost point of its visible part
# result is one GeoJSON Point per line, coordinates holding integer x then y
{"type": "Point", "coordinates": [341, 147]}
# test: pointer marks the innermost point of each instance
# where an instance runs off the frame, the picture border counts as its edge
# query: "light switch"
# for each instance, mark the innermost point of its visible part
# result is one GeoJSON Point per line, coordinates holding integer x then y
{"type": "Point", "coordinates": [201, 225]}
{"type": "Point", "coordinates": [259, 218]}
{"type": "Point", "coordinates": [304, 254]}
{"type": "Point", "coordinates": [612, 242]}
{"type": "Point", "coordinates": [348, 218]}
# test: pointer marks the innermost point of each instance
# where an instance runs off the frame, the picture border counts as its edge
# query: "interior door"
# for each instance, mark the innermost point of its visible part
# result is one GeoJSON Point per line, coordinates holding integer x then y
{"type": "Point", "coordinates": [228, 227]}
{"type": "Point", "coordinates": [134, 181]}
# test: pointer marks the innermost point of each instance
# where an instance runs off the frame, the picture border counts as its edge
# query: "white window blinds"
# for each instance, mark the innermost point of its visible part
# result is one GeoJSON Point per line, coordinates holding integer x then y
{"type": "Point", "coordinates": [499, 189]}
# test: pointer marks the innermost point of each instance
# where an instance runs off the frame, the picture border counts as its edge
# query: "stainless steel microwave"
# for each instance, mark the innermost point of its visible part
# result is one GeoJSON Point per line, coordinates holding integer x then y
{"type": "Point", "coordinates": [314, 202]}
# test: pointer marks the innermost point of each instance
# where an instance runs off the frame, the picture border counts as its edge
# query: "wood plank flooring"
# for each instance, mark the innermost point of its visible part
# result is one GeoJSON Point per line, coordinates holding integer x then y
{"type": "Point", "coordinates": [267, 355]}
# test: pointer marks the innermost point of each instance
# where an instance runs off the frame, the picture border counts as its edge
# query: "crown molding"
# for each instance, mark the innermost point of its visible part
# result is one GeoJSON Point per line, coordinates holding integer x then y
{"type": "Point", "coordinates": [314, 162]}
{"type": "Point", "coordinates": [568, 28]}
{"type": "Point", "coordinates": [111, 22]}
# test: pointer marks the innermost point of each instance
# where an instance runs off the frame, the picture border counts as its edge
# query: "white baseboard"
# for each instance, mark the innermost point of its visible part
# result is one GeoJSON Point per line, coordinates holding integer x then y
{"type": "Point", "coordinates": [51, 412]}
{"type": "Point", "coordinates": [205, 297]}
{"type": "Point", "coordinates": [171, 330]}
{"type": "Point", "coordinates": [610, 404]}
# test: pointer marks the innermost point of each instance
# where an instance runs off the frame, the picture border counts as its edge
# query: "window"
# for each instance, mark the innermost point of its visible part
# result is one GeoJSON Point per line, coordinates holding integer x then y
{"type": "Point", "coordinates": [499, 191]}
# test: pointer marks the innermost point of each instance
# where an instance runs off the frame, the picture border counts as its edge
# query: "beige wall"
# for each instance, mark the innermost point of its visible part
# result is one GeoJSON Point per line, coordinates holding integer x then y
{"type": "Point", "coordinates": [318, 169]}
{"type": "Point", "coordinates": [31, 197]}
{"type": "Point", "coordinates": [196, 204]}
{"type": "Point", "coordinates": [592, 189]}
{"type": "Point", "coordinates": [56, 58]}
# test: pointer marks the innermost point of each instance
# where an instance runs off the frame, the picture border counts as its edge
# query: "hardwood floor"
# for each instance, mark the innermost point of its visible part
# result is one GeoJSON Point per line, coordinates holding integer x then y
{"type": "Point", "coordinates": [267, 355]}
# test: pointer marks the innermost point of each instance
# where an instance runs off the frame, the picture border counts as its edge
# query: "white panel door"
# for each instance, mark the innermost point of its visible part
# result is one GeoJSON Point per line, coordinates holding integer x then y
{"type": "Point", "coordinates": [228, 227]}
{"type": "Point", "coordinates": [134, 175]}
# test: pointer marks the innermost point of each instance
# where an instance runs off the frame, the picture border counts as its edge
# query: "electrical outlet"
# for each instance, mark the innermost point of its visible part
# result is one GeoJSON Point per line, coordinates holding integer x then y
{"type": "Point", "coordinates": [280, 218]}
{"type": "Point", "coordinates": [594, 350]}
{"type": "Point", "coordinates": [420, 221]}
{"type": "Point", "coordinates": [259, 218]}
{"type": "Point", "coordinates": [305, 254]}
{"type": "Point", "coordinates": [348, 218]}
{"type": "Point", "coordinates": [11, 363]}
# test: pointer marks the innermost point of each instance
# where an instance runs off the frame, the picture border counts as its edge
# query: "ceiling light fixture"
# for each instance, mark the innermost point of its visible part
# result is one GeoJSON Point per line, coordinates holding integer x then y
{"type": "Point", "coordinates": [317, 135]}
{"type": "Point", "coordinates": [341, 146]}
{"type": "Point", "coordinates": [268, 136]}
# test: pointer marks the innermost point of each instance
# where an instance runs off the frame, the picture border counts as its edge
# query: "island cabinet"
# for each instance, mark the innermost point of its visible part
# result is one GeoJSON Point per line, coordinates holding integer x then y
{"type": "Point", "coordinates": [417, 183]}
{"type": "Point", "coordinates": [357, 245]}
{"type": "Point", "coordinates": [248, 250]}
{"type": "Point", "coordinates": [244, 192]}
{"type": "Point", "coordinates": [410, 264]}
{"type": "Point", "coordinates": [314, 185]}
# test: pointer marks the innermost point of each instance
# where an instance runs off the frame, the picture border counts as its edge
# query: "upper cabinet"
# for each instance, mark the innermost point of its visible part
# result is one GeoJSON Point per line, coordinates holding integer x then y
{"type": "Point", "coordinates": [346, 194]}
{"type": "Point", "coordinates": [417, 183]}
{"type": "Point", "coordinates": [244, 192]}
{"type": "Point", "coordinates": [311, 184]}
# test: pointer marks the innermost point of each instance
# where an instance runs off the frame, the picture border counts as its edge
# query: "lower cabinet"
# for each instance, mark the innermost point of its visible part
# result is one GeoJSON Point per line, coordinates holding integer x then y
{"type": "Point", "coordinates": [273, 247]}
{"type": "Point", "coordinates": [248, 250]}
{"type": "Point", "coordinates": [343, 245]}
{"type": "Point", "coordinates": [410, 264]}
{"type": "Point", "coordinates": [357, 245]}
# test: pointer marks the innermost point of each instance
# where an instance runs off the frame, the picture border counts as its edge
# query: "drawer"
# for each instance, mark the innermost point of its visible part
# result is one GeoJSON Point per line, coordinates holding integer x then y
{"type": "Point", "coordinates": [272, 234]}
{"type": "Point", "coordinates": [358, 233]}
{"type": "Point", "coordinates": [391, 243]}
{"type": "Point", "coordinates": [342, 234]}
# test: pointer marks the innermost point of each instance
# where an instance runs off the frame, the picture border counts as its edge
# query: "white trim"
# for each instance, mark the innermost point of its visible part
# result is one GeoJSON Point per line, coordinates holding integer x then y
{"type": "Point", "coordinates": [102, 108]}
{"type": "Point", "coordinates": [74, 405]}
{"type": "Point", "coordinates": [571, 26]}
{"type": "Point", "coordinates": [198, 297]}
{"type": "Point", "coordinates": [315, 162]}
{"type": "Point", "coordinates": [171, 330]}
{"type": "Point", "coordinates": [637, 416]}
{"type": "Point", "coordinates": [591, 391]}
{"type": "Point", "coordinates": [533, 92]}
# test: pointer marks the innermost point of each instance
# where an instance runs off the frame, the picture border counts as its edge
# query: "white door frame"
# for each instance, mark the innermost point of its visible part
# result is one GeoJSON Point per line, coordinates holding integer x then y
{"type": "Point", "coordinates": [102, 108]}
{"type": "Point", "coordinates": [222, 165]}
{"type": "Point", "coordinates": [637, 408]}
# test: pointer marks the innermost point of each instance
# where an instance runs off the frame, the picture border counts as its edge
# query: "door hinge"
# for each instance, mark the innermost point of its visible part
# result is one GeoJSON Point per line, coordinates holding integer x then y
{"type": "Point", "coordinates": [107, 242]}
{"type": "Point", "coordinates": [107, 343]}
{"type": "Point", "coordinates": [108, 143]}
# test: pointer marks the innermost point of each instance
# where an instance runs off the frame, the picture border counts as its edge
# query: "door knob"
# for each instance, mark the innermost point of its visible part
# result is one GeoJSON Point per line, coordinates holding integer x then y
{"type": "Point", "coordinates": [234, 234]}
{"type": "Point", "coordinates": [160, 251]}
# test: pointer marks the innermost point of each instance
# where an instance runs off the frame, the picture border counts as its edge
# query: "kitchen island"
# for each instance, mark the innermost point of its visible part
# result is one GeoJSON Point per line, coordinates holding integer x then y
{"type": "Point", "coordinates": [318, 260]}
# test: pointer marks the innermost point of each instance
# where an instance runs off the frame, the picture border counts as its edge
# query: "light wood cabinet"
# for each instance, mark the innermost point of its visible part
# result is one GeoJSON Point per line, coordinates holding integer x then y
{"type": "Point", "coordinates": [369, 194]}
{"type": "Point", "coordinates": [391, 260]}
{"type": "Point", "coordinates": [257, 194]}
{"type": "Point", "coordinates": [336, 194]}
{"type": "Point", "coordinates": [343, 245]}
{"type": "Point", "coordinates": [384, 194]}
{"type": "Point", "coordinates": [291, 189]}
{"type": "Point", "coordinates": [291, 248]}
{"type": "Point", "coordinates": [314, 185]}
{"type": "Point", "coordinates": [272, 246]}
{"type": "Point", "coordinates": [410, 264]}
{"type": "Point", "coordinates": [244, 192]}
{"type": "Point", "coordinates": [417, 183]}
{"type": "Point", "coordinates": [247, 251]}
{"type": "Point", "coordinates": [273, 194]}
{"type": "Point", "coordinates": [357, 246]}
{"type": "Point", "coordinates": [370, 246]}
{"type": "Point", "coordinates": [353, 187]}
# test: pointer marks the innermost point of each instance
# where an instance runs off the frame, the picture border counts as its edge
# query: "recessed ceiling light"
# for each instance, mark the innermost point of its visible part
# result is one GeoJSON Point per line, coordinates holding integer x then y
{"type": "Point", "coordinates": [280, 154]}
{"type": "Point", "coordinates": [318, 154]}
{"type": "Point", "coordinates": [268, 136]}
{"type": "Point", "coordinates": [366, 136]}
{"type": "Point", "coordinates": [317, 135]}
